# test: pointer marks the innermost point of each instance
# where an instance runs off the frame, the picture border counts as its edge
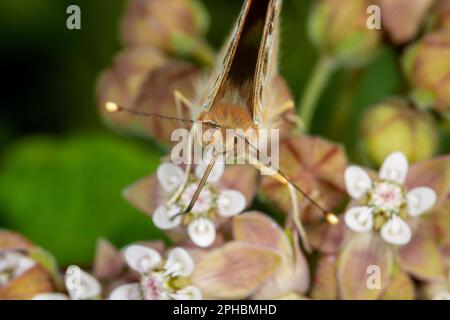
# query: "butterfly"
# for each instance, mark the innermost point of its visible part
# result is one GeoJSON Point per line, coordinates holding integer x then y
{"type": "Point", "coordinates": [242, 93]}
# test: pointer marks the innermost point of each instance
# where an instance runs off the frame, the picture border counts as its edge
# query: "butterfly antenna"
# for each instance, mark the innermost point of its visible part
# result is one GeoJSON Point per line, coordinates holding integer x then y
{"type": "Point", "coordinates": [113, 107]}
{"type": "Point", "coordinates": [329, 216]}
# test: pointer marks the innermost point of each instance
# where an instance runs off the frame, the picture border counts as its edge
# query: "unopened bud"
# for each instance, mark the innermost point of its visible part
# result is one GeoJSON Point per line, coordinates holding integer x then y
{"type": "Point", "coordinates": [339, 29]}
{"type": "Point", "coordinates": [427, 67]}
{"type": "Point", "coordinates": [402, 19]}
{"type": "Point", "coordinates": [395, 126]}
{"type": "Point", "coordinates": [442, 14]}
{"type": "Point", "coordinates": [174, 26]}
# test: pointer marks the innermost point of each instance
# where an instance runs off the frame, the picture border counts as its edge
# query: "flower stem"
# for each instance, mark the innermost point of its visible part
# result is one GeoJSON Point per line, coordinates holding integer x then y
{"type": "Point", "coordinates": [310, 99]}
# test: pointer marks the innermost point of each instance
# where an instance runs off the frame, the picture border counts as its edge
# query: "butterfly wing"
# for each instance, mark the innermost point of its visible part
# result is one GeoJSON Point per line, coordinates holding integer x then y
{"type": "Point", "coordinates": [224, 61]}
{"type": "Point", "coordinates": [248, 58]}
{"type": "Point", "coordinates": [265, 93]}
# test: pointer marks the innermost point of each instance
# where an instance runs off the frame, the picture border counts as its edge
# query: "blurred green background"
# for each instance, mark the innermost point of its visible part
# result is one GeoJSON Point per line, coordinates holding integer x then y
{"type": "Point", "coordinates": [62, 171]}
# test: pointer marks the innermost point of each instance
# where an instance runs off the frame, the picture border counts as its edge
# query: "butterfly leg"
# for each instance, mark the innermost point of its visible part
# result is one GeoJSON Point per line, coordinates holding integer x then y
{"type": "Point", "coordinates": [200, 186]}
{"type": "Point", "coordinates": [294, 201]}
{"type": "Point", "coordinates": [188, 168]}
{"type": "Point", "coordinates": [180, 102]}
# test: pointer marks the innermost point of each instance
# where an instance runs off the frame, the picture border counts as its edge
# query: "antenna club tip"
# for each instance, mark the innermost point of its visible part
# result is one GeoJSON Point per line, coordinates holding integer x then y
{"type": "Point", "coordinates": [111, 106]}
{"type": "Point", "coordinates": [332, 218]}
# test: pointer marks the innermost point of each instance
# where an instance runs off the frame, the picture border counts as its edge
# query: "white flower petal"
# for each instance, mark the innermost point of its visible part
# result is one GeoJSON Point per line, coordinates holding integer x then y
{"type": "Point", "coordinates": [216, 172]}
{"type": "Point", "coordinates": [165, 217]}
{"type": "Point", "coordinates": [359, 219]}
{"type": "Point", "coordinates": [15, 264]}
{"type": "Point", "coordinates": [202, 232]}
{"type": "Point", "coordinates": [230, 203]}
{"type": "Point", "coordinates": [420, 200]}
{"type": "Point", "coordinates": [394, 168]}
{"type": "Point", "coordinates": [170, 176]}
{"type": "Point", "coordinates": [51, 296]}
{"type": "Point", "coordinates": [396, 231]}
{"type": "Point", "coordinates": [81, 285]}
{"type": "Point", "coordinates": [188, 293]}
{"type": "Point", "coordinates": [357, 181]}
{"type": "Point", "coordinates": [129, 291]}
{"type": "Point", "coordinates": [179, 263]}
{"type": "Point", "coordinates": [142, 259]}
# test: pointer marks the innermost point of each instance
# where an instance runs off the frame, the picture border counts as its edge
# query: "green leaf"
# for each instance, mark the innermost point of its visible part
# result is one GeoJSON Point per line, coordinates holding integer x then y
{"type": "Point", "coordinates": [64, 194]}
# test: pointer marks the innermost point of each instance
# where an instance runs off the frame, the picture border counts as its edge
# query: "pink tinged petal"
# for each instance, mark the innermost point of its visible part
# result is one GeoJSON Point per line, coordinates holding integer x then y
{"type": "Point", "coordinates": [230, 203]}
{"type": "Point", "coordinates": [51, 296]}
{"type": "Point", "coordinates": [394, 168]}
{"type": "Point", "coordinates": [166, 218]}
{"type": "Point", "coordinates": [258, 228]}
{"type": "Point", "coordinates": [81, 285]}
{"type": "Point", "coordinates": [235, 270]}
{"type": "Point", "coordinates": [358, 263]}
{"type": "Point", "coordinates": [216, 172]}
{"type": "Point", "coordinates": [433, 173]}
{"type": "Point", "coordinates": [179, 263]}
{"type": "Point", "coordinates": [292, 274]}
{"type": "Point", "coordinates": [188, 293]}
{"type": "Point", "coordinates": [325, 286]}
{"type": "Point", "coordinates": [359, 219]}
{"type": "Point", "coordinates": [327, 238]}
{"type": "Point", "coordinates": [30, 283]}
{"type": "Point", "coordinates": [126, 292]}
{"type": "Point", "coordinates": [401, 287]}
{"type": "Point", "coordinates": [420, 200]}
{"type": "Point", "coordinates": [144, 194]}
{"type": "Point", "coordinates": [14, 241]}
{"type": "Point", "coordinates": [142, 259]}
{"type": "Point", "coordinates": [170, 176]}
{"type": "Point", "coordinates": [396, 231]}
{"type": "Point", "coordinates": [202, 232]}
{"type": "Point", "coordinates": [357, 181]}
{"type": "Point", "coordinates": [108, 261]}
{"type": "Point", "coordinates": [421, 257]}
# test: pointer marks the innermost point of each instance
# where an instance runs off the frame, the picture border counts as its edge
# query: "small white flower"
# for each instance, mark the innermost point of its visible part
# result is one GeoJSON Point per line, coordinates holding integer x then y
{"type": "Point", "coordinates": [158, 277]}
{"type": "Point", "coordinates": [212, 201]}
{"type": "Point", "coordinates": [386, 200]}
{"type": "Point", "coordinates": [79, 284]}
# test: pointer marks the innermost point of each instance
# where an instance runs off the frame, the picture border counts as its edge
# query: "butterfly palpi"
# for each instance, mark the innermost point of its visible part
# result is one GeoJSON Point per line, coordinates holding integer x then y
{"type": "Point", "coordinates": [241, 95]}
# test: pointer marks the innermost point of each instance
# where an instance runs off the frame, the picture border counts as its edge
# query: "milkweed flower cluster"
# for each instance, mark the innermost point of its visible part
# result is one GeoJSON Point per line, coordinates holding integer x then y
{"type": "Point", "coordinates": [159, 280]}
{"type": "Point", "coordinates": [385, 203]}
{"type": "Point", "coordinates": [79, 285]}
{"type": "Point", "coordinates": [213, 202]}
{"type": "Point", "coordinates": [223, 252]}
